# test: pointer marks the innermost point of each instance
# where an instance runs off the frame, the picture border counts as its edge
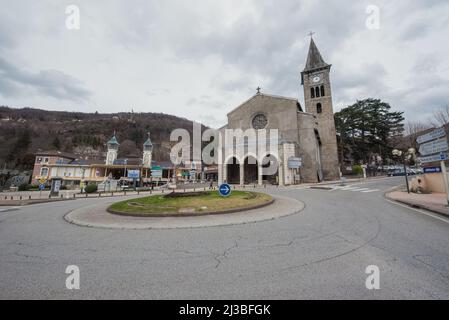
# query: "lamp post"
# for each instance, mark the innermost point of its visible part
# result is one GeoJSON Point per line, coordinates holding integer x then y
{"type": "Point", "coordinates": [404, 156]}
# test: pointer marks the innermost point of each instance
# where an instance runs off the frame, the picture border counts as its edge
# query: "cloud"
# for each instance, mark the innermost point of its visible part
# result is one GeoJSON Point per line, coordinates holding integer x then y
{"type": "Point", "coordinates": [191, 59]}
{"type": "Point", "coordinates": [52, 83]}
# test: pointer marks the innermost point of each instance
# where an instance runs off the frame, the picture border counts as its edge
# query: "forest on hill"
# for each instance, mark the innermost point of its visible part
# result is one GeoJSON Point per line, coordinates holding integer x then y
{"type": "Point", "coordinates": [27, 130]}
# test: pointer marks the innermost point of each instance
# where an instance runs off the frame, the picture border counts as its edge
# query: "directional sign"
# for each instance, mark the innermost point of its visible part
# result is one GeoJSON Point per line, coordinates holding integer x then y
{"type": "Point", "coordinates": [433, 147]}
{"type": "Point", "coordinates": [133, 174]}
{"type": "Point", "coordinates": [42, 186]}
{"type": "Point", "coordinates": [224, 190]}
{"type": "Point", "coordinates": [434, 158]}
{"type": "Point", "coordinates": [156, 172]}
{"type": "Point", "coordinates": [432, 170]}
{"type": "Point", "coordinates": [436, 134]}
{"type": "Point", "coordinates": [294, 163]}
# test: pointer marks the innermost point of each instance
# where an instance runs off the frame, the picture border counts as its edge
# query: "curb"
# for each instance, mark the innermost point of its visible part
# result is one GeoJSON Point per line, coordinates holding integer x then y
{"type": "Point", "coordinates": [81, 217]}
{"type": "Point", "coordinates": [189, 214]}
{"type": "Point", "coordinates": [415, 205]}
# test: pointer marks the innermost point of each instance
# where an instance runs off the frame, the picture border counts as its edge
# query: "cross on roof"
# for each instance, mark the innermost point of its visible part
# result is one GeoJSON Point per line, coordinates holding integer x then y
{"type": "Point", "coordinates": [258, 90]}
{"type": "Point", "coordinates": [311, 33]}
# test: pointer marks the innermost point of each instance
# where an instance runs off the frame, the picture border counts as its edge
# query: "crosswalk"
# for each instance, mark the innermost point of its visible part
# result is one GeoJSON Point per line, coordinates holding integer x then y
{"type": "Point", "coordinates": [351, 188]}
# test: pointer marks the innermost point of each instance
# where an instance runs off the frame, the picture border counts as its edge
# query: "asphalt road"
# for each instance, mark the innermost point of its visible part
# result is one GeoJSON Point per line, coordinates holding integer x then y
{"type": "Point", "coordinates": [321, 253]}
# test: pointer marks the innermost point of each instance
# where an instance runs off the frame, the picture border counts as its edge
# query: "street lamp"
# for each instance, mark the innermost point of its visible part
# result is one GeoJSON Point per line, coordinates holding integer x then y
{"type": "Point", "coordinates": [405, 156]}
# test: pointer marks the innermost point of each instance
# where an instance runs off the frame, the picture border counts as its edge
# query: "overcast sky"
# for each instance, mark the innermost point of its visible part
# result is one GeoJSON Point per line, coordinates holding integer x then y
{"type": "Point", "coordinates": [200, 59]}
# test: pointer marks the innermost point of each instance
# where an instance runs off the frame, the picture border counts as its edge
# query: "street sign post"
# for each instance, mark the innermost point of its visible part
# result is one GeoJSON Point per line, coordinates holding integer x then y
{"type": "Point", "coordinates": [434, 158]}
{"type": "Point", "coordinates": [224, 190]}
{"type": "Point", "coordinates": [434, 147]}
{"type": "Point", "coordinates": [294, 163]}
{"type": "Point", "coordinates": [156, 172]}
{"type": "Point", "coordinates": [133, 174]}
{"type": "Point", "coordinates": [432, 170]}
{"type": "Point", "coordinates": [436, 134]}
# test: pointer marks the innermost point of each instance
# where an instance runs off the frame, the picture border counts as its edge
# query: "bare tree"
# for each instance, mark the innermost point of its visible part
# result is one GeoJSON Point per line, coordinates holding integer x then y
{"type": "Point", "coordinates": [414, 127]}
{"type": "Point", "coordinates": [412, 130]}
{"type": "Point", "coordinates": [441, 116]}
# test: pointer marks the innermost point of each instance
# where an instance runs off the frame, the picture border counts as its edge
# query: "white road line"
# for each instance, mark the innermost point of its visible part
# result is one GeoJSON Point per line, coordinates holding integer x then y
{"type": "Point", "coordinates": [349, 189]}
{"type": "Point", "coordinates": [335, 188]}
{"type": "Point", "coordinates": [373, 190]}
{"type": "Point", "coordinates": [430, 214]}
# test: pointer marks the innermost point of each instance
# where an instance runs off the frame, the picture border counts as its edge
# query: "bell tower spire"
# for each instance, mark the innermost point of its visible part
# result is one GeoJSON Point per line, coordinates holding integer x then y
{"type": "Point", "coordinates": [315, 79]}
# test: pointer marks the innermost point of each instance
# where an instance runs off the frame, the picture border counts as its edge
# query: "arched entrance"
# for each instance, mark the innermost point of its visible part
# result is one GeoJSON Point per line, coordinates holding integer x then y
{"type": "Point", "coordinates": [270, 169]}
{"type": "Point", "coordinates": [233, 171]}
{"type": "Point", "coordinates": [251, 170]}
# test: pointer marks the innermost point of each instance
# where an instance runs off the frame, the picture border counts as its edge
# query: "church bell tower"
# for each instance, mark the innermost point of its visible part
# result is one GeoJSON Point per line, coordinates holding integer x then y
{"type": "Point", "coordinates": [112, 145]}
{"type": "Point", "coordinates": [147, 152]}
{"type": "Point", "coordinates": [318, 100]}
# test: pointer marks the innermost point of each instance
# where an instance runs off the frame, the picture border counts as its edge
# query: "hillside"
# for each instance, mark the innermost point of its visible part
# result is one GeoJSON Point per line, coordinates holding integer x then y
{"type": "Point", "coordinates": [27, 130]}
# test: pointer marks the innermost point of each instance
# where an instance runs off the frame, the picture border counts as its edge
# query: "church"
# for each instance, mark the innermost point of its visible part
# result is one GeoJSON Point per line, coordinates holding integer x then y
{"type": "Point", "coordinates": [307, 142]}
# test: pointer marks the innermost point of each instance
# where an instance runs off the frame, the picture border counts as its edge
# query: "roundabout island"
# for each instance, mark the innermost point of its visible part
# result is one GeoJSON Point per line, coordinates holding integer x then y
{"type": "Point", "coordinates": [184, 210]}
{"type": "Point", "coordinates": [183, 204]}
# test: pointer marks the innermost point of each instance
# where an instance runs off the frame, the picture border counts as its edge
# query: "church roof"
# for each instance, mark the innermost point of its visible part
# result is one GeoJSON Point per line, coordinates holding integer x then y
{"type": "Point", "coordinates": [113, 140]}
{"type": "Point", "coordinates": [314, 58]}
{"type": "Point", "coordinates": [263, 95]}
{"type": "Point", "coordinates": [148, 142]}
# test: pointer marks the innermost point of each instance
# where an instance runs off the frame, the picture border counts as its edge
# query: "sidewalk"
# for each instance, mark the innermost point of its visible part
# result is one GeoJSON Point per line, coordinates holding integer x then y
{"type": "Point", "coordinates": [435, 202]}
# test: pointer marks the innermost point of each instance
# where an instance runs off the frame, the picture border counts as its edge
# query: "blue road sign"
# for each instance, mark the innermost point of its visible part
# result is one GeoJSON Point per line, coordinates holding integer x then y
{"type": "Point", "coordinates": [224, 190]}
{"type": "Point", "coordinates": [432, 170]}
{"type": "Point", "coordinates": [42, 186]}
{"type": "Point", "coordinates": [133, 174]}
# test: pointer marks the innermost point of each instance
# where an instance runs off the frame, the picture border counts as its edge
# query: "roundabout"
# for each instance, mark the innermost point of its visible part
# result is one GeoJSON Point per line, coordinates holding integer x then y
{"type": "Point", "coordinates": [185, 210]}
{"type": "Point", "coordinates": [184, 204]}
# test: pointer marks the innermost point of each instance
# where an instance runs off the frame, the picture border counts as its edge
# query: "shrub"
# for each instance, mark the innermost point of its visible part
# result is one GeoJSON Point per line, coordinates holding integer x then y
{"type": "Point", "coordinates": [25, 187]}
{"type": "Point", "coordinates": [357, 169]}
{"type": "Point", "coordinates": [91, 188]}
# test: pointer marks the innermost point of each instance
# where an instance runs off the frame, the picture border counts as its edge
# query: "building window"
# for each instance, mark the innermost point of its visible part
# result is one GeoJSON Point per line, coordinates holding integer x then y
{"type": "Point", "coordinates": [317, 92]}
{"type": "Point", "coordinates": [319, 108]}
{"type": "Point", "coordinates": [45, 160]}
{"type": "Point", "coordinates": [260, 121]}
{"type": "Point", "coordinates": [44, 172]}
{"type": "Point", "coordinates": [322, 91]}
{"type": "Point", "coordinates": [312, 93]}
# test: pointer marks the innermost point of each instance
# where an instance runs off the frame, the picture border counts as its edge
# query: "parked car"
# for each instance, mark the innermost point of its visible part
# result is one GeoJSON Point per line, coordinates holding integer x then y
{"type": "Point", "coordinates": [401, 172]}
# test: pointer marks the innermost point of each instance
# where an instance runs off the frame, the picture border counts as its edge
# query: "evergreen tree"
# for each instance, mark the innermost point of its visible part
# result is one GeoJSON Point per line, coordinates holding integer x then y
{"type": "Point", "coordinates": [367, 128]}
{"type": "Point", "coordinates": [56, 143]}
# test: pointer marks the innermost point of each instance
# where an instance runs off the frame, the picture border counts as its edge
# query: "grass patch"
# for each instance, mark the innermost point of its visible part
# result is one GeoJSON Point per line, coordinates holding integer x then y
{"type": "Point", "coordinates": [207, 202]}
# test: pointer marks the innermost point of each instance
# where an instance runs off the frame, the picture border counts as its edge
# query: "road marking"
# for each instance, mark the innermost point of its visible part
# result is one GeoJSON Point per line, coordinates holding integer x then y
{"type": "Point", "coordinates": [352, 189]}
{"type": "Point", "coordinates": [430, 214]}
{"type": "Point", "coordinates": [349, 188]}
{"type": "Point", "coordinates": [361, 190]}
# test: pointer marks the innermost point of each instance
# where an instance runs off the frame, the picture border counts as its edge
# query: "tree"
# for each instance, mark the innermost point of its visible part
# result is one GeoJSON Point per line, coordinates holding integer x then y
{"type": "Point", "coordinates": [413, 129]}
{"type": "Point", "coordinates": [367, 129]}
{"type": "Point", "coordinates": [56, 143]}
{"type": "Point", "coordinates": [21, 145]}
{"type": "Point", "coordinates": [441, 116]}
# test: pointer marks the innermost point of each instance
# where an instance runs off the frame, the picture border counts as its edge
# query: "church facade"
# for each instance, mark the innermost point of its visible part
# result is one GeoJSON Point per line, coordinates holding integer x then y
{"type": "Point", "coordinates": [306, 147]}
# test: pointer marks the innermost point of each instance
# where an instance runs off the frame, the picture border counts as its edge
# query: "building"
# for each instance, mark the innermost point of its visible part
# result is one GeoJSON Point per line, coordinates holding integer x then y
{"type": "Point", "coordinates": [111, 171]}
{"type": "Point", "coordinates": [307, 144]}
